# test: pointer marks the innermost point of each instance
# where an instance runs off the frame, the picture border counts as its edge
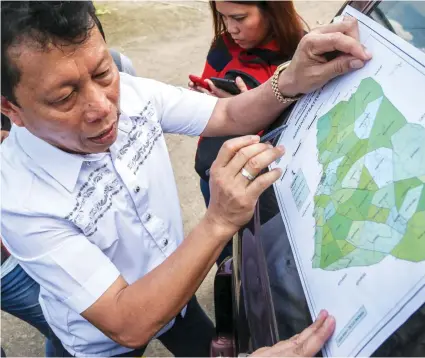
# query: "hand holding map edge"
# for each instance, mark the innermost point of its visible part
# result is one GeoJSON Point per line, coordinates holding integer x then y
{"type": "Point", "coordinates": [305, 344]}
{"type": "Point", "coordinates": [309, 69]}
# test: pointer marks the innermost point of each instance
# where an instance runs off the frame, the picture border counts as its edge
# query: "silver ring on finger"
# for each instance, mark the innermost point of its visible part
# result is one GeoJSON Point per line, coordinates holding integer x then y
{"type": "Point", "coordinates": [245, 173]}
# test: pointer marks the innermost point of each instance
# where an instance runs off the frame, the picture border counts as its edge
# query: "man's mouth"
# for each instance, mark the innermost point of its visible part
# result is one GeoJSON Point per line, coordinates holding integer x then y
{"type": "Point", "coordinates": [105, 136]}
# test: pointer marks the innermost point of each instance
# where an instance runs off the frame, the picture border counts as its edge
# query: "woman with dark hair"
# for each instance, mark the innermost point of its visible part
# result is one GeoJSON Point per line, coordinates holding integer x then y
{"type": "Point", "coordinates": [251, 38]}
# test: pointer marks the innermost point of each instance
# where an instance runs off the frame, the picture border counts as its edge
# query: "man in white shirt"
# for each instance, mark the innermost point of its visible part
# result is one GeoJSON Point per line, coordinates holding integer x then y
{"type": "Point", "coordinates": [89, 202]}
{"type": "Point", "coordinates": [19, 292]}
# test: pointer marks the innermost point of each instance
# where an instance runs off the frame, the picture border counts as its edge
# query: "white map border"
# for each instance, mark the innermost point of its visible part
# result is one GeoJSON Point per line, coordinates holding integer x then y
{"type": "Point", "coordinates": [407, 305]}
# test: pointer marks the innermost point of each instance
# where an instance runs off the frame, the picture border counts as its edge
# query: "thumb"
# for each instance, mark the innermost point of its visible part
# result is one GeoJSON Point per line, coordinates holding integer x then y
{"type": "Point", "coordinates": [341, 65]}
{"type": "Point", "coordinates": [241, 84]}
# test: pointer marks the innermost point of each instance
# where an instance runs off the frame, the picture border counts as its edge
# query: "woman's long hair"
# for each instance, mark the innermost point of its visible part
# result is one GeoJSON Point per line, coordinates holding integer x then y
{"type": "Point", "coordinates": [285, 24]}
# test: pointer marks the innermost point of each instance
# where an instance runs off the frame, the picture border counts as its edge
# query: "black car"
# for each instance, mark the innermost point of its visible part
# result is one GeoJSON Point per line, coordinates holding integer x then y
{"type": "Point", "coordinates": [259, 299]}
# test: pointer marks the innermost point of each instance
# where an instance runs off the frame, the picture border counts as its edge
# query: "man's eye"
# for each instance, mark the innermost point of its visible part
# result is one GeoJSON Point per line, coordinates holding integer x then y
{"type": "Point", "coordinates": [240, 18]}
{"type": "Point", "coordinates": [66, 98]}
{"type": "Point", "coordinates": [102, 74]}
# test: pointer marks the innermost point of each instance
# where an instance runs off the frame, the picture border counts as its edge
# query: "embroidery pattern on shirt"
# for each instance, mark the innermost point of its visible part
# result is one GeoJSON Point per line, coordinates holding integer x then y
{"type": "Point", "coordinates": [145, 149]}
{"type": "Point", "coordinates": [142, 138]}
{"type": "Point", "coordinates": [136, 132]}
{"type": "Point", "coordinates": [89, 207]}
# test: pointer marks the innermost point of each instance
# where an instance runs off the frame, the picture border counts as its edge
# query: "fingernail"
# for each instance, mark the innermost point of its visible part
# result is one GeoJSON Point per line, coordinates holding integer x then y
{"type": "Point", "coordinates": [329, 321]}
{"type": "Point", "coordinates": [322, 314]}
{"type": "Point", "coordinates": [281, 148]}
{"type": "Point", "coordinates": [255, 138]}
{"type": "Point", "coordinates": [356, 64]}
{"type": "Point", "coordinates": [368, 53]}
{"type": "Point", "coordinates": [270, 146]}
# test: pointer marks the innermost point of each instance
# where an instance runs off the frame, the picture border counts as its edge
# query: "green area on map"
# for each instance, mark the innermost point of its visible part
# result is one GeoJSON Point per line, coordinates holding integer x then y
{"type": "Point", "coordinates": [370, 202]}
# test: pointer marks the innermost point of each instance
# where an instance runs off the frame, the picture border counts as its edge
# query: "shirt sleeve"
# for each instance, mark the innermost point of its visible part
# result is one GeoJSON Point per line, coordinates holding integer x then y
{"type": "Point", "coordinates": [178, 110]}
{"type": "Point", "coordinates": [183, 111]}
{"type": "Point", "coordinates": [59, 258]}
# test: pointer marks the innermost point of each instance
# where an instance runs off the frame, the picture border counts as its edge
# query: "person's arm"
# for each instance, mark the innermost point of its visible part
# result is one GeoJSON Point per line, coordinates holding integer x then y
{"type": "Point", "coordinates": [132, 314]}
{"type": "Point", "coordinates": [254, 110]}
{"type": "Point", "coordinates": [78, 273]}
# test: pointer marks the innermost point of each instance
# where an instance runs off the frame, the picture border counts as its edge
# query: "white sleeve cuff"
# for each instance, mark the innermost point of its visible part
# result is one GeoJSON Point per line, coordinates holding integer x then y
{"type": "Point", "coordinates": [93, 288]}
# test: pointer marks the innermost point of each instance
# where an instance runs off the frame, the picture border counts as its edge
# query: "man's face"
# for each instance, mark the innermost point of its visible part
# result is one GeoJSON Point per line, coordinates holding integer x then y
{"type": "Point", "coordinates": [68, 95]}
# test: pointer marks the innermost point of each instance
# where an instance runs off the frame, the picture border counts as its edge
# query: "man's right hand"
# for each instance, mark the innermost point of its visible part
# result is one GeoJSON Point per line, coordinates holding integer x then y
{"type": "Point", "coordinates": [306, 344]}
{"type": "Point", "coordinates": [309, 69]}
{"type": "Point", "coordinates": [233, 196]}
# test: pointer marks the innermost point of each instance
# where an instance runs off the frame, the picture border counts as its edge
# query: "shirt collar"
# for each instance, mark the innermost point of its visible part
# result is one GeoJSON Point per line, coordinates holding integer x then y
{"type": "Point", "coordinates": [62, 166]}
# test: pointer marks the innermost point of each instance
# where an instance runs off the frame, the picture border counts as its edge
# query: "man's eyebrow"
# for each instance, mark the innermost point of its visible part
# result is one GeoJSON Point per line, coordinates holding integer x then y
{"type": "Point", "coordinates": [60, 84]}
{"type": "Point", "coordinates": [99, 64]}
{"type": "Point", "coordinates": [69, 82]}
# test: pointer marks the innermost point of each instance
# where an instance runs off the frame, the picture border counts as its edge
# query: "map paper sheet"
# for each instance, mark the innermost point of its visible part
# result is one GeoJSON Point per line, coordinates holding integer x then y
{"type": "Point", "coordinates": [352, 193]}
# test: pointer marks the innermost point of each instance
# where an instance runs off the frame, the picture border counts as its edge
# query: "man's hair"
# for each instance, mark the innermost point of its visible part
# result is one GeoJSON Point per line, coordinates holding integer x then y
{"type": "Point", "coordinates": [41, 23]}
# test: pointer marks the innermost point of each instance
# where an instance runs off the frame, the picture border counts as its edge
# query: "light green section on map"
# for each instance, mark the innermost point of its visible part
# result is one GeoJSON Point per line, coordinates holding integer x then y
{"type": "Point", "coordinates": [409, 152]}
{"type": "Point", "coordinates": [412, 246]}
{"type": "Point", "coordinates": [370, 202]}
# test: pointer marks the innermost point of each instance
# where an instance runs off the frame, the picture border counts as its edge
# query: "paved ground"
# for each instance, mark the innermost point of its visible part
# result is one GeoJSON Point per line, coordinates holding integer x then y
{"type": "Point", "coordinates": [166, 41]}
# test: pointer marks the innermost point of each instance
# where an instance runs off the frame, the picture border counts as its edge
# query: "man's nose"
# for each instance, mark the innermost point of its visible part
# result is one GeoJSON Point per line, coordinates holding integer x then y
{"type": "Point", "coordinates": [97, 106]}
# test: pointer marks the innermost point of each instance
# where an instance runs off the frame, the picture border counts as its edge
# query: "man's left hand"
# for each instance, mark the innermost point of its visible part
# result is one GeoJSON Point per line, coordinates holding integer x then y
{"type": "Point", "coordinates": [306, 344]}
{"type": "Point", "coordinates": [310, 70]}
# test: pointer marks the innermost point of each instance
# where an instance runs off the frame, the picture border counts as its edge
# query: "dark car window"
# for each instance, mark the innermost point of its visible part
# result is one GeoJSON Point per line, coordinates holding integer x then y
{"type": "Point", "coordinates": [405, 18]}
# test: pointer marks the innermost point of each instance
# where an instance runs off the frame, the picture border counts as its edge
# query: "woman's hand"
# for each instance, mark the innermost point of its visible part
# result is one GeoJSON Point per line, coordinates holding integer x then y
{"type": "Point", "coordinates": [194, 87]}
{"type": "Point", "coordinates": [217, 92]}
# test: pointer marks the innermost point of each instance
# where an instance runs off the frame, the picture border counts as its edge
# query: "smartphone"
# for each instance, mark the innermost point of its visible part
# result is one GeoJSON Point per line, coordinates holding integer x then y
{"type": "Point", "coordinates": [226, 85]}
{"type": "Point", "coordinates": [198, 81]}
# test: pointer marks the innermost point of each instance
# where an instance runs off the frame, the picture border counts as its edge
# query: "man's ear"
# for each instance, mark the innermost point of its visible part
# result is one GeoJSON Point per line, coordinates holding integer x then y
{"type": "Point", "coordinates": [11, 111]}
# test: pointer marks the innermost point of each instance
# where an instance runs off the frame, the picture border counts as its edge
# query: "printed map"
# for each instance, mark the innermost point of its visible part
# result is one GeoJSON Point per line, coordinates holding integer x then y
{"type": "Point", "coordinates": [370, 202]}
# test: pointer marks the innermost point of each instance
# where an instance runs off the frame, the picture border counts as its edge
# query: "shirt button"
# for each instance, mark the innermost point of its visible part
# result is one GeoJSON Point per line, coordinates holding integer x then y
{"type": "Point", "coordinates": [148, 217]}
{"type": "Point", "coordinates": [137, 189]}
{"type": "Point", "coordinates": [165, 242]}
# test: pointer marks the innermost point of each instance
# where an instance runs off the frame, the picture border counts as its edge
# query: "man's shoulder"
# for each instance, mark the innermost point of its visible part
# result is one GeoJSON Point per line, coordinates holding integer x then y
{"type": "Point", "coordinates": [26, 188]}
{"type": "Point", "coordinates": [136, 92]}
{"type": "Point", "coordinates": [32, 202]}
{"type": "Point", "coordinates": [16, 174]}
